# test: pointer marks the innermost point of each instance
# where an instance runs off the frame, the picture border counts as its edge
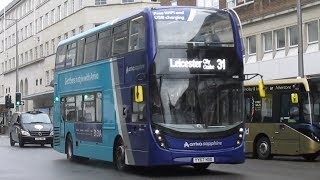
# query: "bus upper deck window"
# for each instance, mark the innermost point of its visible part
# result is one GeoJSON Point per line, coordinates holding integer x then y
{"type": "Point", "coordinates": [137, 34]}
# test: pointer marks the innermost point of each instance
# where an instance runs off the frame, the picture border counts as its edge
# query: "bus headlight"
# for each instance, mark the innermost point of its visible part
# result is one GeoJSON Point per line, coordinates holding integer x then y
{"type": "Point", "coordinates": [25, 133]}
{"type": "Point", "coordinates": [316, 138]}
{"type": "Point", "coordinates": [159, 138]}
{"type": "Point", "coordinates": [240, 136]}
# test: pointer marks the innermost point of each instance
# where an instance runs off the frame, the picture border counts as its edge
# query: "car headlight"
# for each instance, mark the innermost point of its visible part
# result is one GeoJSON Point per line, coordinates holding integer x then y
{"type": "Point", "coordinates": [25, 133]}
{"type": "Point", "coordinates": [51, 133]}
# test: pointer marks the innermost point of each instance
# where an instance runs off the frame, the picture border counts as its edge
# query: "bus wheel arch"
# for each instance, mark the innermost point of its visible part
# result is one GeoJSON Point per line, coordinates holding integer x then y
{"type": "Point", "coordinates": [119, 154]}
{"type": "Point", "coordinates": [66, 142]}
{"type": "Point", "coordinates": [69, 147]}
{"type": "Point", "coordinates": [262, 147]}
{"type": "Point", "coordinates": [310, 157]}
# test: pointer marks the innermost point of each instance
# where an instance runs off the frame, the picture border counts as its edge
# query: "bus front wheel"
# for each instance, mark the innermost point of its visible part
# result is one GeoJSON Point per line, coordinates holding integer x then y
{"type": "Point", "coordinates": [310, 157]}
{"type": "Point", "coordinates": [119, 156]}
{"type": "Point", "coordinates": [263, 148]}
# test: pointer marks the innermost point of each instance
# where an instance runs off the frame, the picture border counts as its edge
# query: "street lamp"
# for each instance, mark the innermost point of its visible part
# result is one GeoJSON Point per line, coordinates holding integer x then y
{"type": "Point", "coordinates": [17, 58]}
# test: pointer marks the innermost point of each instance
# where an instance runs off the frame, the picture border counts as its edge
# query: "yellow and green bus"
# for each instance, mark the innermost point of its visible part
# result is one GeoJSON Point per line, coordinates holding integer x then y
{"type": "Point", "coordinates": [286, 121]}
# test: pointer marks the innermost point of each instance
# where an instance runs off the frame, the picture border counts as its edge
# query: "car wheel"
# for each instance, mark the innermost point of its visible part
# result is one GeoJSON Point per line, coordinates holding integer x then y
{"type": "Point", "coordinates": [201, 167]}
{"type": "Point", "coordinates": [12, 142]}
{"type": "Point", "coordinates": [310, 157]}
{"type": "Point", "coordinates": [52, 145]}
{"type": "Point", "coordinates": [263, 148]}
{"type": "Point", "coordinates": [119, 156]}
{"type": "Point", "coordinates": [21, 143]}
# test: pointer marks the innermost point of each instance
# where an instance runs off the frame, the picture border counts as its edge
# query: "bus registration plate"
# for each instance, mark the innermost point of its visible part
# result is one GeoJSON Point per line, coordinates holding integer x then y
{"type": "Point", "coordinates": [203, 160]}
{"type": "Point", "coordinates": [40, 139]}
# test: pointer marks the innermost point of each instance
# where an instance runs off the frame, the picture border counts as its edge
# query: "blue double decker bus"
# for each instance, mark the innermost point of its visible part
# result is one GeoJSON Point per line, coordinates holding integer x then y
{"type": "Point", "coordinates": [163, 86]}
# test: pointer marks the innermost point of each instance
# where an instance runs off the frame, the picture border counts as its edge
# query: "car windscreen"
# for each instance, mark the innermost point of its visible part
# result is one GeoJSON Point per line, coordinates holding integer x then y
{"type": "Point", "coordinates": [35, 118]}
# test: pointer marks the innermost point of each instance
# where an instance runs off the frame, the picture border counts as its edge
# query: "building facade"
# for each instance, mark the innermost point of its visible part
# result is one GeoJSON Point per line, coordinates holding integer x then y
{"type": "Point", "coordinates": [270, 34]}
{"type": "Point", "coordinates": [41, 25]}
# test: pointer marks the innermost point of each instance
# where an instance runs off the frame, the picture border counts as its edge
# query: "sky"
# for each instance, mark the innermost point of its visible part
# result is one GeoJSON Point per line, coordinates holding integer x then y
{"type": "Point", "coordinates": [3, 3]}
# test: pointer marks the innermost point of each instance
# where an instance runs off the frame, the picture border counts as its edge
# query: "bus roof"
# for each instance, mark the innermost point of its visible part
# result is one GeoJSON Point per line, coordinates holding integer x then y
{"type": "Point", "coordinates": [98, 28]}
{"type": "Point", "coordinates": [107, 24]}
{"type": "Point", "coordinates": [303, 81]}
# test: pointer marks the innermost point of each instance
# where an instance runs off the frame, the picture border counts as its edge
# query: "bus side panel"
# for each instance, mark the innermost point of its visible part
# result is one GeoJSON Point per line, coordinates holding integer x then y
{"type": "Point", "coordinates": [256, 130]}
{"type": "Point", "coordinates": [286, 140]}
{"type": "Point", "coordinates": [86, 136]}
{"type": "Point", "coordinates": [134, 131]}
{"type": "Point", "coordinates": [102, 150]}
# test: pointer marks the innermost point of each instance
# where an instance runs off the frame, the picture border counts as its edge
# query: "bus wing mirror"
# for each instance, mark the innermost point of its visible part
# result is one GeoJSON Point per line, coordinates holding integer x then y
{"type": "Point", "coordinates": [294, 98]}
{"type": "Point", "coordinates": [262, 90]}
{"type": "Point", "coordinates": [138, 94]}
{"type": "Point", "coordinates": [51, 83]}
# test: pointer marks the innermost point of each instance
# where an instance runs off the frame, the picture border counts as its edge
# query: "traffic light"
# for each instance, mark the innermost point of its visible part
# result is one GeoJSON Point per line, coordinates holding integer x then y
{"type": "Point", "coordinates": [18, 98]}
{"type": "Point", "coordinates": [8, 103]}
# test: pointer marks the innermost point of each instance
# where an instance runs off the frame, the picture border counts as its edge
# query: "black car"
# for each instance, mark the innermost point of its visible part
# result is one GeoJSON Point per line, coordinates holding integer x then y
{"type": "Point", "coordinates": [33, 127]}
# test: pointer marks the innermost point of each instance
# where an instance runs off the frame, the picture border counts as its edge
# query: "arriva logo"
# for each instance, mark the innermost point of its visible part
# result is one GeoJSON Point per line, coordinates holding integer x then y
{"type": "Point", "coordinates": [202, 144]}
{"type": "Point", "coordinates": [186, 145]}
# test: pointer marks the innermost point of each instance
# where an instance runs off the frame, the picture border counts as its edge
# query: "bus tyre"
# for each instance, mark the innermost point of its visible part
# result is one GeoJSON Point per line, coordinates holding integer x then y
{"type": "Point", "coordinates": [119, 156]}
{"type": "Point", "coordinates": [263, 148]}
{"type": "Point", "coordinates": [70, 155]}
{"type": "Point", "coordinates": [310, 157]}
{"type": "Point", "coordinates": [12, 143]}
{"type": "Point", "coordinates": [201, 167]}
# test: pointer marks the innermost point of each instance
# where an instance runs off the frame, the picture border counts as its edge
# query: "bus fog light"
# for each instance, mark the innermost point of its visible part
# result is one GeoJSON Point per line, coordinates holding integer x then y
{"type": "Point", "coordinates": [241, 130]}
{"type": "Point", "coordinates": [157, 132]}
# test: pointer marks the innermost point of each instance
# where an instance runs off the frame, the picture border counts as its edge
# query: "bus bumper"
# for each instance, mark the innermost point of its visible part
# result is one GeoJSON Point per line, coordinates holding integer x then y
{"type": "Point", "coordinates": [234, 155]}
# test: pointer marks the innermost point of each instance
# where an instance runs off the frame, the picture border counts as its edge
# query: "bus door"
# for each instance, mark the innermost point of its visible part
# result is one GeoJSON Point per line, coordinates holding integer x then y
{"type": "Point", "coordinates": [61, 118]}
{"type": "Point", "coordinates": [137, 121]}
{"type": "Point", "coordinates": [286, 139]}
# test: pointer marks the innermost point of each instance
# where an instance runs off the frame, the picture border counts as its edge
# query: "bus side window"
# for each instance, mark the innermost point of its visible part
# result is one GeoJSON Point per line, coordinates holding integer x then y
{"type": "Point", "coordinates": [266, 109]}
{"type": "Point", "coordinates": [285, 108]}
{"type": "Point", "coordinates": [61, 57]}
{"type": "Point", "coordinates": [70, 110]}
{"type": "Point", "coordinates": [71, 54]}
{"type": "Point", "coordinates": [90, 49]}
{"type": "Point", "coordinates": [80, 51]}
{"type": "Point", "coordinates": [79, 111]}
{"type": "Point", "coordinates": [104, 44]}
{"type": "Point", "coordinates": [137, 34]}
{"type": "Point", "coordinates": [120, 39]}
{"type": "Point", "coordinates": [63, 108]}
{"type": "Point", "coordinates": [253, 109]}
